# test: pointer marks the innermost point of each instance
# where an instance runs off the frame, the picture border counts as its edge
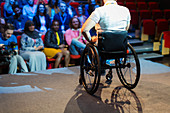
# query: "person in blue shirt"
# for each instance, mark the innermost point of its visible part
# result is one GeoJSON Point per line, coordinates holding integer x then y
{"type": "Point", "coordinates": [18, 20]}
{"type": "Point", "coordinates": [16, 60]}
{"type": "Point", "coordinates": [63, 17]}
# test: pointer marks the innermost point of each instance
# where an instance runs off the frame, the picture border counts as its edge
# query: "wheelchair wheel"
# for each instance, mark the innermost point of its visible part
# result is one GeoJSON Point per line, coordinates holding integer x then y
{"type": "Point", "coordinates": [90, 69]}
{"type": "Point", "coordinates": [128, 69]}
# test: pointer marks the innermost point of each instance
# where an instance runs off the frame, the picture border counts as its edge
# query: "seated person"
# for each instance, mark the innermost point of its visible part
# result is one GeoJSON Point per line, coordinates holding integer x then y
{"type": "Point", "coordinates": [80, 15]}
{"type": "Point", "coordinates": [63, 17]}
{"type": "Point", "coordinates": [54, 45]}
{"type": "Point", "coordinates": [74, 38]}
{"type": "Point", "coordinates": [8, 9]}
{"type": "Point", "coordinates": [118, 19]}
{"type": "Point", "coordinates": [18, 20]}
{"type": "Point", "coordinates": [16, 60]}
{"type": "Point", "coordinates": [22, 3]}
{"type": "Point", "coordinates": [70, 10]}
{"type": "Point", "coordinates": [29, 9]}
{"type": "Point", "coordinates": [52, 8]}
{"type": "Point", "coordinates": [109, 17]}
{"type": "Point", "coordinates": [42, 20]}
{"type": "Point", "coordinates": [31, 46]}
{"type": "Point", "coordinates": [2, 25]}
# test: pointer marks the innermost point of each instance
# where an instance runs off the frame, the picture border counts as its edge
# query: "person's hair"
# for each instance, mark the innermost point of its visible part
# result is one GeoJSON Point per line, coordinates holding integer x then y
{"type": "Point", "coordinates": [62, 3]}
{"type": "Point", "coordinates": [28, 24]}
{"type": "Point", "coordinates": [71, 25]}
{"type": "Point", "coordinates": [51, 4]}
{"type": "Point", "coordinates": [45, 10]}
{"type": "Point", "coordinates": [52, 24]}
{"type": "Point", "coordinates": [15, 6]}
{"type": "Point", "coordinates": [8, 26]}
{"type": "Point", "coordinates": [80, 6]}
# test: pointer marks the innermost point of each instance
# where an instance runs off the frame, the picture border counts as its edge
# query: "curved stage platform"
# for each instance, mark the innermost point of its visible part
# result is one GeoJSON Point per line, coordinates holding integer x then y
{"type": "Point", "coordinates": [58, 91]}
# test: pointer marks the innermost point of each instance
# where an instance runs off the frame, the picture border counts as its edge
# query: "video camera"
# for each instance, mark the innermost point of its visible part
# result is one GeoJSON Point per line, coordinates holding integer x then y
{"type": "Point", "coordinates": [6, 52]}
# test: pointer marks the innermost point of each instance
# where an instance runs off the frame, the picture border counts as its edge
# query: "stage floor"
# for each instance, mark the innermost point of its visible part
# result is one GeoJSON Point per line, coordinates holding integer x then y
{"type": "Point", "coordinates": [58, 91]}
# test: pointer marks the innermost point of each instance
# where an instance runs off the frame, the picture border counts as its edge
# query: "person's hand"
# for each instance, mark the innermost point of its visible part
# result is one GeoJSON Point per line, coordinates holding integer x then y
{"type": "Point", "coordinates": [38, 48]}
{"type": "Point", "coordinates": [61, 46]}
{"type": "Point", "coordinates": [94, 38]}
{"type": "Point", "coordinates": [19, 31]}
{"type": "Point", "coordinates": [1, 45]}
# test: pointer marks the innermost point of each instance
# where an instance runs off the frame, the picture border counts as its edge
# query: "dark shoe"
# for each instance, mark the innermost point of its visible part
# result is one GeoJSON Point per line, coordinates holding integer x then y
{"type": "Point", "coordinates": [108, 81]}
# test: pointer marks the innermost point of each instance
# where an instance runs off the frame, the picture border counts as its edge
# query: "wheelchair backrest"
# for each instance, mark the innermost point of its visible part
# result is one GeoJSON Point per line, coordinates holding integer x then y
{"type": "Point", "coordinates": [112, 41]}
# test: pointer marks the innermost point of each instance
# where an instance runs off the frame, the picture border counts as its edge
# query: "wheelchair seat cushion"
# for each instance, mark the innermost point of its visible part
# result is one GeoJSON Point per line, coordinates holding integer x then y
{"type": "Point", "coordinates": [112, 41]}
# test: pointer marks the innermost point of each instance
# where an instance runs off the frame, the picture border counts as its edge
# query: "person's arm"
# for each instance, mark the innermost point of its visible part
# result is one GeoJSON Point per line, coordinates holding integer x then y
{"type": "Point", "coordinates": [128, 20]}
{"type": "Point", "coordinates": [128, 26]}
{"type": "Point", "coordinates": [68, 37]}
{"type": "Point", "coordinates": [86, 28]}
{"type": "Point", "coordinates": [25, 43]}
{"type": "Point", "coordinates": [24, 11]}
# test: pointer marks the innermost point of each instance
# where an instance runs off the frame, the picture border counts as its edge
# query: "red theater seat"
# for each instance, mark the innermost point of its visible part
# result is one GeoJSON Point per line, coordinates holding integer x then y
{"type": "Point", "coordinates": [120, 3]}
{"type": "Point", "coordinates": [167, 14]}
{"type": "Point", "coordinates": [142, 6]}
{"type": "Point", "coordinates": [134, 17]}
{"type": "Point", "coordinates": [2, 9]}
{"type": "Point", "coordinates": [149, 27]}
{"type": "Point", "coordinates": [130, 1]}
{"type": "Point", "coordinates": [19, 42]}
{"type": "Point", "coordinates": [157, 14]}
{"type": "Point", "coordinates": [166, 36]}
{"type": "Point", "coordinates": [131, 5]}
{"type": "Point", "coordinates": [153, 5]}
{"type": "Point", "coordinates": [144, 14]}
{"type": "Point", "coordinates": [162, 25]}
{"type": "Point", "coordinates": [140, 0]}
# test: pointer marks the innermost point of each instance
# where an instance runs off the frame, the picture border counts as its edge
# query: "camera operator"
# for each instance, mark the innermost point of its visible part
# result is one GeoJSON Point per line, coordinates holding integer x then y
{"type": "Point", "coordinates": [16, 60]}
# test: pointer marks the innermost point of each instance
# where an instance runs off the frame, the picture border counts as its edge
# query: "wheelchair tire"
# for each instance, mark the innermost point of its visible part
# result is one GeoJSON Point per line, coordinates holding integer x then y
{"type": "Point", "coordinates": [129, 73]}
{"type": "Point", "coordinates": [90, 69]}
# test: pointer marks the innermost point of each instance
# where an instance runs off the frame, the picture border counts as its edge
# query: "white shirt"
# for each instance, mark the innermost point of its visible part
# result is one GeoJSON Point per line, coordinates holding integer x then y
{"type": "Point", "coordinates": [111, 16]}
{"type": "Point", "coordinates": [43, 22]}
{"type": "Point", "coordinates": [29, 11]}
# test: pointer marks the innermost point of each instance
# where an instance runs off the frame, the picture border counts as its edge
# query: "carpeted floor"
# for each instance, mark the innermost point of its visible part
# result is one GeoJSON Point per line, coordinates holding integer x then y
{"type": "Point", "coordinates": [58, 91]}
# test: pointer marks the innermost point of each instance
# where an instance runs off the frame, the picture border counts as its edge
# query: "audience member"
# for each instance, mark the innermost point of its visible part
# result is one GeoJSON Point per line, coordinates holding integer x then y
{"type": "Point", "coordinates": [16, 60]}
{"type": "Point", "coordinates": [89, 8]}
{"type": "Point", "coordinates": [42, 20]}
{"type": "Point", "coordinates": [31, 46]}
{"type": "Point", "coordinates": [8, 9]}
{"type": "Point", "coordinates": [74, 37]}
{"type": "Point", "coordinates": [41, 1]}
{"type": "Point", "coordinates": [70, 10]}
{"type": "Point", "coordinates": [22, 3]}
{"type": "Point", "coordinates": [54, 45]}
{"type": "Point", "coordinates": [18, 20]}
{"type": "Point", "coordinates": [2, 25]}
{"type": "Point", "coordinates": [29, 9]}
{"type": "Point", "coordinates": [62, 17]}
{"type": "Point", "coordinates": [80, 15]}
{"type": "Point", "coordinates": [53, 8]}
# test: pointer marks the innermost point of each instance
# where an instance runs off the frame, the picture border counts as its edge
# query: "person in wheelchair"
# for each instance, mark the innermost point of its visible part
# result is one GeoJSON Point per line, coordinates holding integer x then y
{"type": "Point", "coordinates": [110, 19]}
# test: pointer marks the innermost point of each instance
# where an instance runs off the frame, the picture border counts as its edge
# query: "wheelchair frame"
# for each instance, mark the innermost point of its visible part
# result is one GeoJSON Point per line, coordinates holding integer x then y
{"type": "Point", "coordinates": [126, 63]}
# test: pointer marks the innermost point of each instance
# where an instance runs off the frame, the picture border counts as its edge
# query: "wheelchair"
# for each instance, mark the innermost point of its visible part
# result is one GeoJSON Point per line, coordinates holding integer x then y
{"type": "Point", "coordinates": [111, 45]}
